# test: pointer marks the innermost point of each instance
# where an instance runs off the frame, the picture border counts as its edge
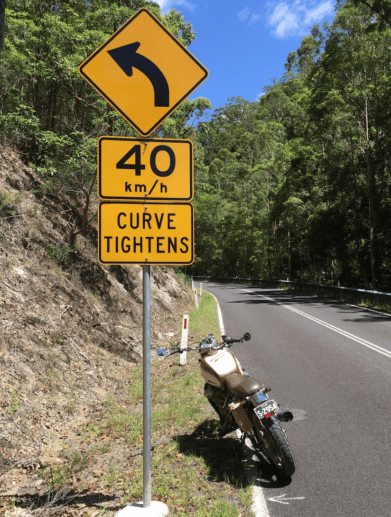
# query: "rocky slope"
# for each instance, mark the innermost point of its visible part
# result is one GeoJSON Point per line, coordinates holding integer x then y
{"type": "Point", "coordinates": [70, 328]}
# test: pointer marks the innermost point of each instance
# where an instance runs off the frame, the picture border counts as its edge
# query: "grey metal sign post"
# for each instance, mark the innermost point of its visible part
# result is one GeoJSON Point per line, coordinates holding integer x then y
{"type": "Point", "coordinates": [147, 508]}
{"type": "Point", "coordinates": [147, 386]}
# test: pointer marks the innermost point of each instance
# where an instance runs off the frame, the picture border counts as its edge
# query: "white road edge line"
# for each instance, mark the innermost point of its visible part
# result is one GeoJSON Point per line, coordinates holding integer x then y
{"type": "Point", "coordinates": [219, 313]}
{"type": "Point", "coordinates": [353, 305]}
{"type": "Point", "coordinates": [367, 309]}
{"type": "Point", "coordinates": [259, 507]}
{"type": "Point", "coordinates": [359, 340]}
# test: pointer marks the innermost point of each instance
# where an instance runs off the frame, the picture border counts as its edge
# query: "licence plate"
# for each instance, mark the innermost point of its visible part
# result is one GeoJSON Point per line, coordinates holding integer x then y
{"type": "Point", "coordinates": [266, 407]}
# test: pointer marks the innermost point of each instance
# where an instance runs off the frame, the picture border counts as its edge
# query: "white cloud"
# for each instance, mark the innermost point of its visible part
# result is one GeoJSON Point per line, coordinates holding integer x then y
{"type": "Point", "coordinates": [259, 95]}
{"type": "Point", "coordinates": [167, 5]}
{"type": "Point", "coordinates": [284, 20]}
{"type": "Point", "coordinates": [296, 17]}
{"type": "Point", "coordinates": [289, 18]}
{"type": "Point", "coordinates": [244, 14]}
{"type": "Point", "coordinates": [318, 13]}
{"type": "Point", "coordinates": [254, 18]}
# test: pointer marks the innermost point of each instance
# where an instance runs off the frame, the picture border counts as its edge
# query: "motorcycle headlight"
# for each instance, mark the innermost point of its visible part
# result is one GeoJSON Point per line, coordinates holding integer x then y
{"type": "Point", "coordinates": [210, 342]}
{"type": "Point", "coordinates": [257, 398]}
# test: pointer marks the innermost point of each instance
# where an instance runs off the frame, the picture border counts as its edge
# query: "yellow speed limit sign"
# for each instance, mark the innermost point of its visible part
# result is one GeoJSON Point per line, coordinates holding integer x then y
{"type": "Point", "coordinates": [139, 233]}
{"type": "Point", "coordinates": [140, 169]}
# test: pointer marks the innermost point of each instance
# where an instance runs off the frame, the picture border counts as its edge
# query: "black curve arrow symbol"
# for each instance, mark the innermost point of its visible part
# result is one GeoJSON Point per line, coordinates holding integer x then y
{"type": "Point", "coordinates": [126, 58]}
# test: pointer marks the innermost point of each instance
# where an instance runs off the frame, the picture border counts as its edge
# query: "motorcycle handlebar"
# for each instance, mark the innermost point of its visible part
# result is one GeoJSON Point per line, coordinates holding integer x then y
{"type": "Point", "coordinates": [232, 340]}
{"type": "Point", "coordinates": [163, 352]}
{"type": "Point", "coordinates": [226, 341]}
{"type": "Point", "coordinates": [246, 337]}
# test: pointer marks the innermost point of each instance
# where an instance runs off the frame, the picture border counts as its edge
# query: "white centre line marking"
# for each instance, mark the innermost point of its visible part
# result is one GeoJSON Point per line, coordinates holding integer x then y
{"type": "Point", "coordinates": [363, 342]}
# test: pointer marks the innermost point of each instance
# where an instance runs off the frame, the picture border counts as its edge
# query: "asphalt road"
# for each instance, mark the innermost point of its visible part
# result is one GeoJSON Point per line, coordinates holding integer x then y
{"type": "Point", "coordinates": [330, 364]}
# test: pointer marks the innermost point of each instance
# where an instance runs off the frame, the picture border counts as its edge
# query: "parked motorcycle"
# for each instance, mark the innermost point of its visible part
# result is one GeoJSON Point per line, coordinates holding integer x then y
{"type": "Point", "coordinates": [243, 402]}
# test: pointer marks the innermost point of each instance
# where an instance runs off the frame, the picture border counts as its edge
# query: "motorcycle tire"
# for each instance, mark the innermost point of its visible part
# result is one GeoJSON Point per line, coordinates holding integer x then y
{"type": "Point", "coordinates": [272, 441]}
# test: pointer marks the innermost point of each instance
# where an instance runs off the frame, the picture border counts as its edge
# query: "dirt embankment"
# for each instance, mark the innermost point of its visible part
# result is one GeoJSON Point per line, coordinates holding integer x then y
{"type": "Point", "coordinates": [70, 328]}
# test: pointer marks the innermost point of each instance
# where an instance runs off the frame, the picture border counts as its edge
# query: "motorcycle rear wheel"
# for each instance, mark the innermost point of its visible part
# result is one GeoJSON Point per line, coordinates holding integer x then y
{"type": "Point", "coordinates": [272, 441]}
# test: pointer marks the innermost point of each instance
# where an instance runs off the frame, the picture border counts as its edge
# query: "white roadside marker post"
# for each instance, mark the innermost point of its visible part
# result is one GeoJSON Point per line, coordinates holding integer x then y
{"type": "Point", "coordinates": [192, 284]}
{"type": "Point", "coordinates": [185, 333]}
{"type": "Point", "coordinates": [196, 298]}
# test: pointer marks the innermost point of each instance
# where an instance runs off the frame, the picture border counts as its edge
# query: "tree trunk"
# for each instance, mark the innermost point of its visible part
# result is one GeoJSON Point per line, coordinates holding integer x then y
{"type": "Point", "coordinates": [268, 257]}
{"type": "Point", "coordinates": [332, 271]}
{"type": "Point", "coordinates": [268, 234]}
{"type": "Point", "coordinates": [2, 33]}
{"type": "Point", "coordinates": [370, 183]}
{"type": "Point", "coordinates": [84, 220]}
{"type": "Point", "coordinates": [289, 256]}
{"type": "Point", "coordinates": [372, 242]}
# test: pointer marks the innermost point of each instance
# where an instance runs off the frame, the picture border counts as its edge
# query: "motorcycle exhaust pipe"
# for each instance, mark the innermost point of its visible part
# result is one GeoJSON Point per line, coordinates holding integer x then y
{"type": "Point", "coordinates": [285, 416]}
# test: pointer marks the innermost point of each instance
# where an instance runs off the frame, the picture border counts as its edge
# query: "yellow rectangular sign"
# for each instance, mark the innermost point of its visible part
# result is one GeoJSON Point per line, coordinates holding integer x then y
{"type": "Point", "coordinates": [139, 233]}
{"type": "Point", "coordinates": [145, 169]}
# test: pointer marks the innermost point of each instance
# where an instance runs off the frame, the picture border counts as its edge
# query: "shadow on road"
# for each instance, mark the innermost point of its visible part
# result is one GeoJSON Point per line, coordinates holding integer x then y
{"type": "Point", "coordinates": [288, 298]}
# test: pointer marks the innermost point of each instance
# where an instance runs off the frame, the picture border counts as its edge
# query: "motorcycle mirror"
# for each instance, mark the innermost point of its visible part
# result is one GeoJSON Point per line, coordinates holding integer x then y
{"type": "Point", "coordinates": [247, 336]}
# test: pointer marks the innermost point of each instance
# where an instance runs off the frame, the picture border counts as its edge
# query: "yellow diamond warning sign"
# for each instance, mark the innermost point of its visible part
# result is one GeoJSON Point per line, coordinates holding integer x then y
{"type": "Point", "coordinates": [145, 169]}
{"type": "Point", "coordinates": [143, 71]}
{"type": "Point", "coordinates": [153, 233]}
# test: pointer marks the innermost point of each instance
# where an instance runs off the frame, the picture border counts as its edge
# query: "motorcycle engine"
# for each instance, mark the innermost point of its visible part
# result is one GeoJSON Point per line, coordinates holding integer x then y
{"type": "Point", "coordinates": [218, 401]}
{"type": "Point", "coordinates": [214, 394]}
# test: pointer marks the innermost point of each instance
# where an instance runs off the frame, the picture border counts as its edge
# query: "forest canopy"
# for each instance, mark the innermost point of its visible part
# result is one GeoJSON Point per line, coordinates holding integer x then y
{"type": "Point", "coordinates": [297, 184]}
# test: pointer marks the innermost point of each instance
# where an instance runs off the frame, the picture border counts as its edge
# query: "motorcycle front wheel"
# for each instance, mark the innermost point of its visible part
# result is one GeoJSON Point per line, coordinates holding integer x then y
{"type": "Point", "coordinates": [272, 441]}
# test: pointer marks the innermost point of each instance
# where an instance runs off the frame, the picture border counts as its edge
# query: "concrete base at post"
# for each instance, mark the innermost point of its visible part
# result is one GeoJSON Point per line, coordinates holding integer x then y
{"type": "Point", "coordinates": [157, 509]}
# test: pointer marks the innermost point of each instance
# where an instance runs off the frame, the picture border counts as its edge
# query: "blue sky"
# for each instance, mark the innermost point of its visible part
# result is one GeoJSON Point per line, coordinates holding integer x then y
{"type": "Point", "coordinates": [245, 43]}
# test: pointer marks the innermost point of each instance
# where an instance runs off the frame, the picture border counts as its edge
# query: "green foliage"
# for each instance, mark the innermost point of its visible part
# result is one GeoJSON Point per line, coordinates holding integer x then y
{"type": "Point", "coordinates": [59, 253]}
{"type": "Point", "coordinates": [58, 477]}
{"type": "Point", "coordinates": [179, 273]}
{"type": "Point", "coordinates": [50, 113]}
{"type": "Point", "coordinates": [8, 203]}
{"type": "Point", "coordinates": [298, 183]}
{"type": "Point", "coordinates": [14, 404]}
{"type": "Point", "coordinates": [72, 399]}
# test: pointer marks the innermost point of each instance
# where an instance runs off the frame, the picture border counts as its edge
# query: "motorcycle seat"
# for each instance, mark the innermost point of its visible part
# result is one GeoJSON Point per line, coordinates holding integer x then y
{"type": "Point", "coordinates": [242, 386]}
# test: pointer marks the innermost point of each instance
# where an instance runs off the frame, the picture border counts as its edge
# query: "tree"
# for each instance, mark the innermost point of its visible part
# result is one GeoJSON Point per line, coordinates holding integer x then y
{"type": "Point", "coordinates": [302, 177]}
{"type": "Point", "coordinates": [350, 102]}
{"type": "Point", "coordinates": [382, 8]}
{"type": "Point", "coordinates": [2, 13]}
{"type": "Point", "coordinates": [50, 112]}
